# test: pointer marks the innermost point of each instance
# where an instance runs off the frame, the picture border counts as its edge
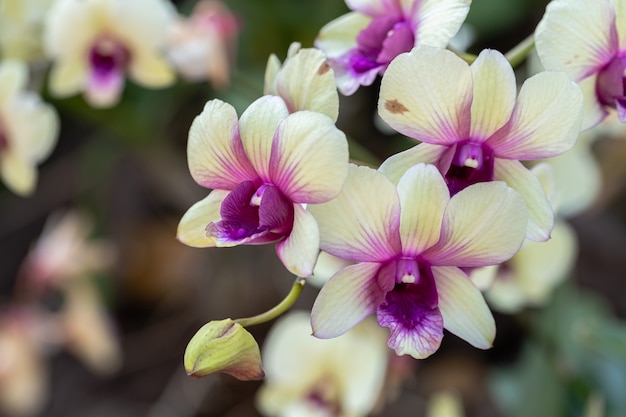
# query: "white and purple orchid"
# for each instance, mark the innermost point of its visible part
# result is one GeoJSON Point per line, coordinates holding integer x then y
{"type": "Point", "coordinates": [587, 39]}
{"type": "Point", "coordinates": [410, 242]}
{"type": "Point", "coordinates": [361, 44]}
{"type": "Point", "coordinates": [263, 169]}
{"type": "Point", "coordinates": [472, 125]}
{"type": "Point", "coordinates": [95, 43]}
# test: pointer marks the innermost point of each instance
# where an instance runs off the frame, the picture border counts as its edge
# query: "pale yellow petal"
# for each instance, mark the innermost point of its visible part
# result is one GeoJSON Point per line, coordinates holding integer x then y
{"type": "Point", "coordinates": [192, 227]}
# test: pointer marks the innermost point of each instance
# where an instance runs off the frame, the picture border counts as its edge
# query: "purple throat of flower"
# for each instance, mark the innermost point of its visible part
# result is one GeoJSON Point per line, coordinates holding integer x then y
{"type": "Point", "coordinates": [380, 42]}
{"type": "Point", "coordinates": [410, 309]}
{"type": "Point", "coordinates": [108, 60]}
{"type": "Point", "coordinates": [471, 163]}
{"type": "Point", "coordinates": [611, 86]}
{"type": "Point", "coordinates": [253, 214]}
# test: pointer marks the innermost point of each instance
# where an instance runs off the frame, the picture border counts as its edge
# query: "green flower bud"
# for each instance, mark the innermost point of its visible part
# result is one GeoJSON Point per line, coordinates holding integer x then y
{"type": "Point", "coordinates": [223, 346]}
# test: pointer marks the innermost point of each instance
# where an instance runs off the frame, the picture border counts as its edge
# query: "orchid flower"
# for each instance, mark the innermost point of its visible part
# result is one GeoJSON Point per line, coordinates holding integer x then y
{"type": "Point", "coordinates": [21, 27]}
{"type": "Point", "coordinates": [587, 39]}
{"type": "Point", "coordinates": [361, 44]}
{"type": "Point", "coordinates": [94, 43]}
{"type": "Point", "coordinates": [28, 129]}
{"type": "Point", "coordinates": [473, 127]}
{"type": "Point", "coordinates": [305, 81]}
{"type": "Point", "coordinates": [306, 376]}
{"type": "Point", "coordinates": [410, 243]}
{"type": "Point", "coordinates": [263, 168]}
{"type": "Point", "coordinates": [202, 46]}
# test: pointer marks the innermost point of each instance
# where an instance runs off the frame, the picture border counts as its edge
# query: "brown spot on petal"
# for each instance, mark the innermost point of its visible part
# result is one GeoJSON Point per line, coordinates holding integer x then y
{"type": "Point", "coordinates": [323, 69]}
{"type": "Point", "coordinates": [395, 107]}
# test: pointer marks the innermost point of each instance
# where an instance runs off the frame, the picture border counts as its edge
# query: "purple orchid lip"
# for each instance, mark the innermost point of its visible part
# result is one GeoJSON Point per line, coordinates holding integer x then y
{"type": "Point", "coordinates": [380, 42]}
{"type": "Point", "coordinates": [410, 309]}
{"type": "Point", "coordinates": [611, 86]}
{"type": "Point", "coordinates": [253, 214]}
{"type": "Point", "coordinates": [471, 163]}
{"type": "Point", "coordinates": [108, 60]}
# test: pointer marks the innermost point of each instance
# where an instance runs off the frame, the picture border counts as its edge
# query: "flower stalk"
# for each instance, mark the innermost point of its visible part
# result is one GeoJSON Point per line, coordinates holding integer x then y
{"type": "Point", "coordinates": [279, 309]}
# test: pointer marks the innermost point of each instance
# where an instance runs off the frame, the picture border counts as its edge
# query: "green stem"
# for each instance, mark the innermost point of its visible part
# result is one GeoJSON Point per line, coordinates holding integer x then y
{"type": "Point", "coordinates": [518, 54]}
{"type": "Point", "coordinates": [283, 306]}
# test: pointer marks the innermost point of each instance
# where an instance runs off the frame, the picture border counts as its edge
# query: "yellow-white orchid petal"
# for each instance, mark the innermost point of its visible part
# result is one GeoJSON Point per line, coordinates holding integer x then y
{"type": "Point", "coordinates": [339, 36]}
{"type": "Point", "coordinates": [362, 223]}
{"type": "Point", "coordinates": [439, 20]}
{"type": "Point", "coordinates": [424, 197]}
{"type": "Point", "coordinates": [484, 224]}
{"type": "Point", "coordinates": [575, 36]}
{"type": "Point", "coordinates": [309, 158]}
{"type": "Point", "coordinates": [464, 310]}
{"type": "Point", "coordinates": [540, 213]}
{"type": "Point", "coordinates": [396, 165]}
{"type": "Point", "coordinates": [298, 251]}
{"type": "Point", "coordinates": [494, 93]}
{"type": "Point", "coordinates": [346, 299]}
{"type": "Point", "coordinates": [306, 82]}
{"type": "Point", "coordinates": [426, 95]}
{"type": "Point", "coordinates": [215, 152]}
{"type": "Point", "coordinates": [192, 226]}
{"type": "Point", "coordinates": [13, 78]}
{"type": "Point", "coordinates": [545, 122]}
{"type": "Point", "coordinates": [257, 126]}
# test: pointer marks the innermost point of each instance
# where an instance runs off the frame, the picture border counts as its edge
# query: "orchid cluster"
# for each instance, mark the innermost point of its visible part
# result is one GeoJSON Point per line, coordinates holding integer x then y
{"type": "Point", "coordinates": [415, 228]}
{"type": "Point", "coordinates": [472, 216]}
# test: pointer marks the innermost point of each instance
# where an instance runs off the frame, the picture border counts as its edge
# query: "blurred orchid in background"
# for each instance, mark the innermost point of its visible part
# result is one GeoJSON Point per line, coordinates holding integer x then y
{"type": "Point", "coordinates": [95, 43]}
{"type": "Point", "coordinates": [21, 28]}
{"type": "Point", "coordinates": [409, 243]}
{"type": "Point", "coordinates": [28, 129]}
{"type": "Point", "coordinates": [473, 128]}
{"type": "Point", "coordinates": [203, 45]}
{"type": "Point", "coordinates": [361, 44]}
{"type": "Point", "coordinates": [306, 376]}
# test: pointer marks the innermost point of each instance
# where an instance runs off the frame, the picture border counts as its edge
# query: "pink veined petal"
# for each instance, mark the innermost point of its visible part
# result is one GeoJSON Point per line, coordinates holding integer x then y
{"type": "Point", "coordinates": [620, 21]}
{"type": "Point", "coordinates": [438, 21]}
{"type": "Point", "coordinates": [348, 297]}
{"type": "Point", "coordinates": [362, 223]}
{"type": "Point", "coordinates": [257, 127]}
{"type": "Point", "coordinates": [192, 226]}
{"type": "Point", "coordinates": [309, 158]}
{"type": "Point", "coordinates": [375, 7]}
{"type": "Point", "coordinates": [545, 122]}
{"type": "Point", "coordinates": [306, 82]}
{"type": "Point", "coordinates": [540, 214]}
{"type": "Point", "coordinates": [424, 196]}
{"type": "Point", "coordinates": [494, 94]}
{"type": "Point", "coordinates": [418, 342]}
{"type": "Point", "coordinates": [576, 36]}
{"type": "Point", "coordinates": [339, 36]}
{"type": "Point", "coordinates": [484, 224]}
{"type": "Point", "coordinates": [214, 151]}
{"type": "Point", "coordinates": [426, 94]}
{"type": "Point", "coordinates": [463, 308]}
{"type": "Point", "coordinates": [299, 251]}
{"type": "Point", "coordinates": [593, 111]}
{"type": "Point", "coordinates": [396, 165]}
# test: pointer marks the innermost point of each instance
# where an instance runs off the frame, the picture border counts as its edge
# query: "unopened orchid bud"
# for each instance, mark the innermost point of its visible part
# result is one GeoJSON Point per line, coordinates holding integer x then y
{"type": "Point", "coordinates": [223, 346]}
